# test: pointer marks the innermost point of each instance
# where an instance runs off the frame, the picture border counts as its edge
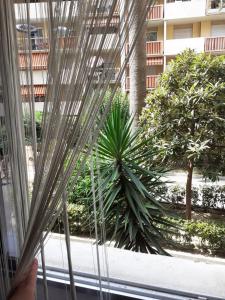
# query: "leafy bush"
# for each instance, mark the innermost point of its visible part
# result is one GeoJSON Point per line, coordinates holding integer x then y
{"type": "Point", "coordinates": [207, 197]}
{"type": "Point", "coordinates": [212, 235]}
{"type": "Point", "coordinates": [80, 193]}
{"type": "Point", "coordinates": [28, 126]}
{"type": "Point", "coordinates": [78, 220]}
{"type": "Point", "coordinates": [203, 236]}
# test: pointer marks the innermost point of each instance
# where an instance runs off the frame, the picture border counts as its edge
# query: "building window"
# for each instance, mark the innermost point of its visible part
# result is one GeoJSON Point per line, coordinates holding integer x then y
{"type": "Point", "coordinates": [183, 32]}
{"type": "Point", "coordinates": [218, 30]}
{"type": "Point", "coordinates": [152, 36]}
{"type": "Point", "coordinates": [217, 4]}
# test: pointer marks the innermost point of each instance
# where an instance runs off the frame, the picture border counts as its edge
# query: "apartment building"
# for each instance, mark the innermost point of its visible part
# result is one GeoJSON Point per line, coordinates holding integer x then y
{"type": "Point", "coordinates": [179, 24]}
{"type": "Point", "coordinates": [172, 26]}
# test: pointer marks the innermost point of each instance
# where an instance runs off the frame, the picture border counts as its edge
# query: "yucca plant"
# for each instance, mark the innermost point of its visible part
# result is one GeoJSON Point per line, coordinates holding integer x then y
{"type": "Point", "coordinates": [129, 183]}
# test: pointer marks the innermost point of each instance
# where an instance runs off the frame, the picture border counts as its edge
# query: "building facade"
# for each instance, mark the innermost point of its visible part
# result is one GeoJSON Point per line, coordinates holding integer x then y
{"type": "Point", "coordinates": [172, 26]}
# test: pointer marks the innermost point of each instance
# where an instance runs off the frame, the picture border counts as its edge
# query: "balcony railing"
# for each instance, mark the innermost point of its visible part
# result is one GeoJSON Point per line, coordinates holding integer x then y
{"type": "Point", "coordinates": [155, 13]}
{"type": "Point", "coordinates": [37, 43]}
{"type": "Point", "coordinates": [215, 44]}
{"type": "Point", "coordinates": [154, 48]}
{"type": "Point", "coordinates": [39, 60]}
{"type": "Point", "coordinates": [40, 43]}
{"type": "Point", "coordinates": [151, 82]}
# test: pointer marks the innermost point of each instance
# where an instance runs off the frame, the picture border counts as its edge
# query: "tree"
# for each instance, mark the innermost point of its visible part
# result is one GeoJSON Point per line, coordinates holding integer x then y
{"type": "Point", "coordinates": [185, 115]}
{"type": "Point", "coordinates": [129, 184]}
{"type": "Point", "coordinates": [138, 60]}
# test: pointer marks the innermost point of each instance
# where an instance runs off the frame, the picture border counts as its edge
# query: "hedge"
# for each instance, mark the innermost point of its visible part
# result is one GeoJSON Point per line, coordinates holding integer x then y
{"type": "Point", "coordinates": [203, 236]}
{"type": "Point", "coordinates": [204, 196]}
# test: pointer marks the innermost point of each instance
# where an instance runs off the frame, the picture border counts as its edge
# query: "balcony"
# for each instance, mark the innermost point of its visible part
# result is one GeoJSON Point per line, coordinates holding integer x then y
{"type": "Point", "coordinates": [185, 9]}
{"type": "Point", "coordinates": [155, 13]}
{"type": "Point", "coordinates": [151, 82]}
{"type": "Point", "coordinates": [175, 46]}
{"type": "Point", "coordinates": [154, 48]}
{"type": "Point", "coordinates": [39, 60]}
{"type": "Point", "coordinates": [39, 90]}
{"type": "Point", "coordinates": [37, 43]}
{"type": "Point", "coordinates": [110, 74]}
{"type": "Point", "coordinates": [42, 43]}
{"type": "Point", "coordinates": [216, 7]}
{"type": "Point", "coordinates": [215, 44]}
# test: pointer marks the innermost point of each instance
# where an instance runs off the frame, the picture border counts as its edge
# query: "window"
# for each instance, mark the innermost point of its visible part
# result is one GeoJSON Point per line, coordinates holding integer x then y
{"type": "Point", "coordinates": [37, 39]}
{"type": "Point", "coordinates": [218, 30]}
{"type": "Point", "coordinates": [152, 36]}
{"type": "Point", "coordinates": [217, 4]}
{"type": "Point", "coordinates": [183, 32]}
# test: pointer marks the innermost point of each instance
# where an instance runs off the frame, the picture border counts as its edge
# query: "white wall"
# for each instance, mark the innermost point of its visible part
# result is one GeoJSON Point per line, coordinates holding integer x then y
{"type": "Point", "coordinates": [38, 10]}
{"type": "Point", "coordinates": [173, 47]}
{"type": "Point", "coordinates": [185, 9]}
{"type": "Point", "coordinates": [39, 77]}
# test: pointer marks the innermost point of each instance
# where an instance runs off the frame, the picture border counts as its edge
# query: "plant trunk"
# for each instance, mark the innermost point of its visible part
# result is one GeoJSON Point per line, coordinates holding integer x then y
{"type": "Point", "coordinates": [189, 190]}
{"type": "Point", "coordinates": [123, 39]}
{"type": "Point", "coordinates": [137, 61]}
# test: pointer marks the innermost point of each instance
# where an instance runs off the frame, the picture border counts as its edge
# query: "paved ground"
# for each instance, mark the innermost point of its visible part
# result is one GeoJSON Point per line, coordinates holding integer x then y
{"type": "Point", "coordinates": [183, 272]}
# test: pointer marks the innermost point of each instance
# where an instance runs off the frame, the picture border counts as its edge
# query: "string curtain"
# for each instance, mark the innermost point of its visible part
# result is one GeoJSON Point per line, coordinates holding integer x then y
{"type": "Point", "coordinates": [77, 35]}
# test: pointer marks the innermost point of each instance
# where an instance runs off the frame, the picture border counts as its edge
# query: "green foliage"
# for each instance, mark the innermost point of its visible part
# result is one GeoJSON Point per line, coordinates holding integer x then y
{"type": "Point", "coordinates": [78, 220]}
{"type": "Point", "coordinates": [80, 193]}
{"type": "Point", "coordinates": [128, 184]}
{"type": "Point", "coordinates": [185, 114]}
{"type": "Point", "coordinates": [207, 197]}
{"type": "Point", "coordinates": [212, 235]}
{"type": "Point", "coordinates": [78, 217]}
{"type": "Point", "coordinates": [207, 237]}
{"type": "Point", "coordinates": [28, 126]}
{"type": "Point", "coordinates": [3, 141]}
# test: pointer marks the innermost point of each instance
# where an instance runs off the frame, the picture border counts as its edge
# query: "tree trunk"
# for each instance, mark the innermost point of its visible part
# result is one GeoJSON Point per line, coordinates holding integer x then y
{"type": "Point", "coordinates": [189, 190]}
{"type": "Point", "coordinates": [123, 39]}
{"type": "Point", "coordinates": [137, 61]}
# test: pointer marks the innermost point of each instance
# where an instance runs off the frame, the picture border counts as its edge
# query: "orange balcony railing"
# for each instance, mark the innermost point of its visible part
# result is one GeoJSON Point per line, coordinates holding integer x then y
{"type": "Point", "coordinates": [151, 82]}
{"type": "Point", "coordinates": [154, 48]}
{"type": "Point", "coordinates": [39, 60]}
{"type": "Point", "coordinates": [155, 12]}
{"type": "Point", "coordinates": [39, 90]}
{"type": "Point", "coordinates": [215, 44]}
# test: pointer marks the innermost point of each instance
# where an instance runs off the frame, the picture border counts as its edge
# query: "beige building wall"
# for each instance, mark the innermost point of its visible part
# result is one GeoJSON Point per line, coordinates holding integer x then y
{"type": "Point", "coordinates": [205, 28]}
{"type": "Point", "coordinates": [160, 33]}
{"type": "Point", "coordinates": [170, 29]}
{"type": "Point", "coordinates": [196, 29]}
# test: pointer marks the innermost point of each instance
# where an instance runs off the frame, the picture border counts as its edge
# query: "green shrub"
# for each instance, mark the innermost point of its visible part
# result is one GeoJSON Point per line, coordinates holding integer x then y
{"type": "Point", "coordinates": [204, 196]}
{"type": "Point", "coordinates": [212, 235]}
{"type": "Point", "coordinates": [28, 126]}
{"type": "Point", "coordinates": [78, 218]}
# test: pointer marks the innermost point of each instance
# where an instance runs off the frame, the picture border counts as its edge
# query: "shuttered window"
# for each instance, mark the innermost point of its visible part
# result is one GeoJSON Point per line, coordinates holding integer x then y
{"type": "Point", "coordinates": [218, 30]}
{"type": "Point", "coordinates": [183, 32]}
